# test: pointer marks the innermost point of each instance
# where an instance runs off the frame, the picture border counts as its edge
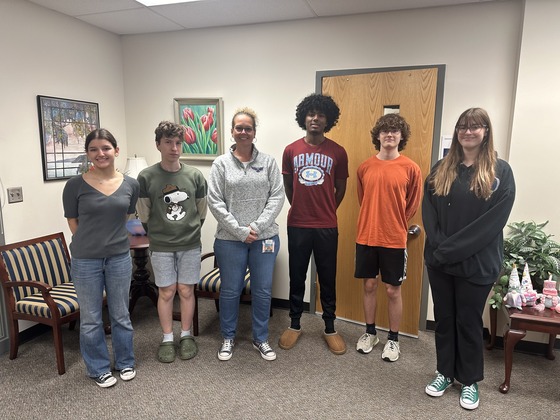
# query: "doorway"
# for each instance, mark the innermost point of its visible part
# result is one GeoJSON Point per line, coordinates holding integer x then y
{"type": "Point", "coordinates": [363, 96]}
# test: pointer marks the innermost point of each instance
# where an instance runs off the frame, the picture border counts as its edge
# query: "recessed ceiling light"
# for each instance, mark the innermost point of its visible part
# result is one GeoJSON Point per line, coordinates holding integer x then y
{"type": "Point", "coordinates": [162, 2]}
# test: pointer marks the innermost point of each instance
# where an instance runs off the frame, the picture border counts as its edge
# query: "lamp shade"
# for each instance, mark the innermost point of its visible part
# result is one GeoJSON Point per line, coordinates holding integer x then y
{"type": "Point", "coordinates": [134, 165]}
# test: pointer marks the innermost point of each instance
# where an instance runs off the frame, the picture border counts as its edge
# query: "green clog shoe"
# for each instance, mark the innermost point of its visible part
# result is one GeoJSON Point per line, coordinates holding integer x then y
{"type": "Point", "coordinates": [166, 352]}
{"type": "Point", "coordinates": [187, 348]}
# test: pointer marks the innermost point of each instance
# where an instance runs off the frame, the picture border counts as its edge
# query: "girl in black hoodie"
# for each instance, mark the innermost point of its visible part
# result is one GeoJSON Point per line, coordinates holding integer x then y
{"type": "Point", "coordinates": [468, 197]}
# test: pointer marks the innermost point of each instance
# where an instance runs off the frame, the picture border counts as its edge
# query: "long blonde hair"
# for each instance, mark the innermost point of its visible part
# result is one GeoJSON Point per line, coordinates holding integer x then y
{"type": "Point", "coordinates": [484, 166]}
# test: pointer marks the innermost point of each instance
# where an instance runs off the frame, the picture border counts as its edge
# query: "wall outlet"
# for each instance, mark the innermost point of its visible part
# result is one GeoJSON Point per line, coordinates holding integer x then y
{"type": "Point", "coordinates": [15, 195]}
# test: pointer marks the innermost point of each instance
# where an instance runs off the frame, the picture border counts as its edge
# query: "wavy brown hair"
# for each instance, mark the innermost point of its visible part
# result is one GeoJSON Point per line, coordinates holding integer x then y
{"type": "Point", "coordinates": [169, 130]}
{"type": "Point", "coordinates": [484, 166]}
{"type": "Point", "coordinates": [390, 122]}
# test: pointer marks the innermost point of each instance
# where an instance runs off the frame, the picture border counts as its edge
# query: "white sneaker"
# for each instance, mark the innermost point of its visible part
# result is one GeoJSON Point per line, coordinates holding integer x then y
{"type": "Point", "coordinates": [226, 351]}
{"type": "Point", "coordinates": [391, 351]}
{"type": "Point", "coordinates": [366, 343]}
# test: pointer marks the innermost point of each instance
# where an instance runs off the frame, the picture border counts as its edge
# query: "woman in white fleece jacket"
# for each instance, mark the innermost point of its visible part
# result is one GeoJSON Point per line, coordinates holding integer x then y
{"type": "Point", "coordinates": [245, 194]}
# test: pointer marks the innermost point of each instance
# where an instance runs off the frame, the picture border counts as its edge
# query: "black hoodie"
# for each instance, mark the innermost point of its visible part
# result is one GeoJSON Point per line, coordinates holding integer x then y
{"type": "Point", "coordinates": [464, 234]}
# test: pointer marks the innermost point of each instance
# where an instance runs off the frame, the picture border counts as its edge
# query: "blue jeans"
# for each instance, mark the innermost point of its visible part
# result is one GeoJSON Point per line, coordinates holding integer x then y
{"type": "Point", "coordinates": [233, 258]}
{"type": "Point", "coordinates": [90, 277]}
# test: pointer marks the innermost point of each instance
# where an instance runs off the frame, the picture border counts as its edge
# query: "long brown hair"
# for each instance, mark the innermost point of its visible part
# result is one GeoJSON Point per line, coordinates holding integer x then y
{"type": "Point", "coordinates": [484, 166]}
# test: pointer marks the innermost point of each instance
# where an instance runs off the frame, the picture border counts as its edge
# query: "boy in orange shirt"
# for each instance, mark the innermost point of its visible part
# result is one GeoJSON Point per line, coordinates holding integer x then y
{"type": "Point", "coordinates": [389, 193]}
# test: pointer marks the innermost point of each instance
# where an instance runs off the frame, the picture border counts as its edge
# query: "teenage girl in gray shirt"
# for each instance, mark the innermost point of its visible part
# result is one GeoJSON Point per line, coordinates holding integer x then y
{"type": "Point", "coordinates": [96, 205]}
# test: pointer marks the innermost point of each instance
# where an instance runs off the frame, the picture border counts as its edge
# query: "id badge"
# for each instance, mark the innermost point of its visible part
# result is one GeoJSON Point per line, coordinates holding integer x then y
{"type": "Point", "coordinates": [268, 246]}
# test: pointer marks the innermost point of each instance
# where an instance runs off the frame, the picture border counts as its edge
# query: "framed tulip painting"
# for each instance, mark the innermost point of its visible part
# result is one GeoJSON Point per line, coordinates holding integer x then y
{"type": "Point", "coordinates": [64, 125]}
{"type": "Point", "coordinates": [203, 122]}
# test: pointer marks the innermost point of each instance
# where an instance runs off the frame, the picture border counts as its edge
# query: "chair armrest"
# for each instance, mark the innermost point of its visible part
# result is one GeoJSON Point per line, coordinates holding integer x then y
{"type": "Point", "coordinates": [207, 255]}
{"type": "Point", "coordinates": [35, 284]}
{"type": "Point", "coordinates": [45, 290]}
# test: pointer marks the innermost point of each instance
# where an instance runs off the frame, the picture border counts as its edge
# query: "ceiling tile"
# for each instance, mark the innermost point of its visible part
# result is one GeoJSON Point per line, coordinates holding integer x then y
{"type": "Point", "coordinates": [84, 7]}
{"type": "Point", "coordinates": [238, 12]}
{"type": "Point", "coordinates": [130, 17]}
{"type": "Point", "coordinates": [337, 7]}
{"type": "Point", "coordinates": [131, 22]}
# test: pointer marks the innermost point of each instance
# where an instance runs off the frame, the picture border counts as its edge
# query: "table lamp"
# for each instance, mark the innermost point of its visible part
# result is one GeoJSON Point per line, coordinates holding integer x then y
{"type": "Point", "coordinates": [133, 167]}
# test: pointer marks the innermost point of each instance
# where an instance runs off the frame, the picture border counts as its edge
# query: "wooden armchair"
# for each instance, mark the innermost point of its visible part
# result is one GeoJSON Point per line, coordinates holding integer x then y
{"type": "Point", "coordinates": [35, 276]}
{"type": "Point", "coordinates": [209, 287]}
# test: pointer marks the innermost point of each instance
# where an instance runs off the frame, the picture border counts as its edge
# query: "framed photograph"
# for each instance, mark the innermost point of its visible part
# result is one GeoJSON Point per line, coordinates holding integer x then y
{"type": "Point", "coordinates": [64, 125]}
{"type": "Point", "coordinates": [203, 122]}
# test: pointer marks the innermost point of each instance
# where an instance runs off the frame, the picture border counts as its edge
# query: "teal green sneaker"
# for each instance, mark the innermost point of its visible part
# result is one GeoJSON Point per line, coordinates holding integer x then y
{"type": "Point", "coordinates": [469, 396]}
{"type": "Point", "coordinates": [437, 387]}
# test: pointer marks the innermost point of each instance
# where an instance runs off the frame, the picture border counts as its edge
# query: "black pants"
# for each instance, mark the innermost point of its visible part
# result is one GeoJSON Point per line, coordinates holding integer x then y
{"type": "Point", "coordinates": [458, 308]}
{"type": "Point", "coordinates": [324, 245]}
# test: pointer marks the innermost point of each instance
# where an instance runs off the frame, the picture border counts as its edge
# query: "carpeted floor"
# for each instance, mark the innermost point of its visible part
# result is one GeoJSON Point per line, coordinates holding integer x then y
{"type": "Point", "coordinates": [307, 382]}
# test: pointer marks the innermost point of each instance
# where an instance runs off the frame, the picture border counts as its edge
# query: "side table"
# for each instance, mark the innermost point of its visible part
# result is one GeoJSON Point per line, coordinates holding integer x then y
{"type": "Point", "coordinates": [521, 321]}
{"type": "Point", "coordinates": [141, 284]}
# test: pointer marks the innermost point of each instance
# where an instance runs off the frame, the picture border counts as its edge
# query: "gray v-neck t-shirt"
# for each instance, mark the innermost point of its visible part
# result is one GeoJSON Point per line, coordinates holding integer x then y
{"type": "Point", "coordinates": [101, 218]}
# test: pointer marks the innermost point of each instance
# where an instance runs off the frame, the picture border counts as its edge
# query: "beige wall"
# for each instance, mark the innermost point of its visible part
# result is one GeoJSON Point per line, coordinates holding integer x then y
{"type": "Point", "coordinates": [535, 142]}
{"type": "Point", "coordinates": [535, 145]}
{"type": "Point", "coordinates": [46, 53]}
{"type": "Point", "coordinates": [271, 67]}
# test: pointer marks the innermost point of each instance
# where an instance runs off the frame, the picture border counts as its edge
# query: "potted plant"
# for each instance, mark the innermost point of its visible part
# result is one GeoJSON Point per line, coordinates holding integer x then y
{"type": "Point", "coordinates": [527, 242]}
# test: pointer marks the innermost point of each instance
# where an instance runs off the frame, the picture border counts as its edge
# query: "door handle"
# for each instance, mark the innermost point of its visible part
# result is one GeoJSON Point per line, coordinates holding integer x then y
{"type": "Point", "coordinates": [414, 230]}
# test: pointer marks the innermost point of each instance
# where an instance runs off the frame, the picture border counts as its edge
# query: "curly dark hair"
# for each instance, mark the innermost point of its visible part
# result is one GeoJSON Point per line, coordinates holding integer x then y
{"type": "Point", "coordinates": [387, 123]}
{"type": "Point", "coordinates": [319, 103]}
{"type": "Point", "coordinates": [169, 129]}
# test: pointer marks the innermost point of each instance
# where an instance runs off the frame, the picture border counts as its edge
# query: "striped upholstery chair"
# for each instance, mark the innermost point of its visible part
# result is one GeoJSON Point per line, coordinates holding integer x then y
{"type": "Point", "coordinates": [209, 287]}
{"type": "Point", "coordinates": [35, 276]}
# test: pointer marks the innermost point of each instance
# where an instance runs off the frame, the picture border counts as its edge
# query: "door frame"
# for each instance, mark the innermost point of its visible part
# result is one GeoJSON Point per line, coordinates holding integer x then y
{"type": "Point", "coordinates": [435, 156]}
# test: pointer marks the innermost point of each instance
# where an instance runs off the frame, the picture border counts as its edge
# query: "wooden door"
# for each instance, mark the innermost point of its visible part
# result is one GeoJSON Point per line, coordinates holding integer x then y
{"type": "Point", "coordinates": [362, 99]}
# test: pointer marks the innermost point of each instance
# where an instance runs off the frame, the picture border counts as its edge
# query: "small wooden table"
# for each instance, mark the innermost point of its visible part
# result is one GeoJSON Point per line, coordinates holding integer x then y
{"type": "Point", "coordinates": [521, 321]}
{"type": "Point", "coordinates": [141, 284]}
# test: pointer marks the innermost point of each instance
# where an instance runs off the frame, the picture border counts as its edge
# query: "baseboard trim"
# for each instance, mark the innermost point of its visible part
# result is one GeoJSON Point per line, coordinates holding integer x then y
{"type": "Point", "coordinates": [39, 329]}
{"type": "Point", "coordinates": [33, 332]}
{"type": "Point", "coordinates": [25, 336]}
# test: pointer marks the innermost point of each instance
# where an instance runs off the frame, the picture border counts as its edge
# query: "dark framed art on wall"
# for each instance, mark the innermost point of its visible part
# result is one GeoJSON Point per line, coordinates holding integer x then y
{"type": "Point", "coordinates": [63, 126]}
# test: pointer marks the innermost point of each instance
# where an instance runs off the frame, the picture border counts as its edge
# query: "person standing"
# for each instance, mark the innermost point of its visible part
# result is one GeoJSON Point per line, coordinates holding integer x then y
{"type": "Point", "coordinates": [468, 197]}
{"type": "Point", "coordinates": [245, 195]}
{"type": "Point", "coordinates": [315, 171]}
{"type": "Point", "coordinates": [96, 205]}
{"type": "Point", "coordinates": [389, 193]}
{"type": "Point", "coordinates": [172, 207]}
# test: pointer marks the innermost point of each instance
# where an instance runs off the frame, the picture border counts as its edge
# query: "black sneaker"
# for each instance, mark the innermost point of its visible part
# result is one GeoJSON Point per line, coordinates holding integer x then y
{"type": "Point", "coordinates": [265, 350]}
{"type": "Point", "coordinates": [105, 380]}
{"type": "Point", "coordinates": [128, 374]}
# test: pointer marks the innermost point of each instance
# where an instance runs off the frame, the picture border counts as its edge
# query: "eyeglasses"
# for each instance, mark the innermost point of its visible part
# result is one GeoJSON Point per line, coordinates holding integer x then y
{"type": "Point", "coordinates": [473, 128]}
{"type": "Point", "coordinates": [239, 129]}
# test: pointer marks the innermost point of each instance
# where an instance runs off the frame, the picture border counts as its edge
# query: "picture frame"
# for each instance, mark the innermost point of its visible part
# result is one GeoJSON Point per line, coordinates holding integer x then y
{"type": "Point", "coordinates": [203, 122]}
{"type": "Point", "coordinates": [63, 127]}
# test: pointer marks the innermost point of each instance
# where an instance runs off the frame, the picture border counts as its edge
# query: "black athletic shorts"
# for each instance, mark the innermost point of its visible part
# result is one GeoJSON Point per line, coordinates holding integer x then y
{"type": "Point", "coordinates": [391, 262]}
